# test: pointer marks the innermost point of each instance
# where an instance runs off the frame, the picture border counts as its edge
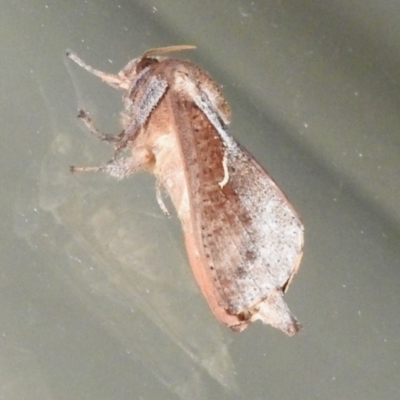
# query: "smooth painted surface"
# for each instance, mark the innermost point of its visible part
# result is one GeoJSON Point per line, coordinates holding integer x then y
{"type": "Point", "coordinates": [97, 298]}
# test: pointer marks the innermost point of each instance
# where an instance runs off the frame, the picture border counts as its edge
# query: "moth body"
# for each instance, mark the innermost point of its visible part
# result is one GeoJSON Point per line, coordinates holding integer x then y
{"type": "Point", "coordinates": [243, 238]}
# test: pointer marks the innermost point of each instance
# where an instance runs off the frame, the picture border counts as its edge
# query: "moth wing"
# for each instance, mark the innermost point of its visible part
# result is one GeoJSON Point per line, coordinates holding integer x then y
{"type": "Point", "coordinates": [245, 236]}
{"type": "Point", "coordinates": [272, 236]}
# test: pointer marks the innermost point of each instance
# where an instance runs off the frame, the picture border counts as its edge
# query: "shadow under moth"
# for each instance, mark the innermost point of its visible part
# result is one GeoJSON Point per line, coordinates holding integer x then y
{"type": "Point", "coordinates": [243, 238]}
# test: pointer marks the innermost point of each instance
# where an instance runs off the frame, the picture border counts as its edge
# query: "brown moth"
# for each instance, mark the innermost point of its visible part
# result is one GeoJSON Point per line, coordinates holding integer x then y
{"type": "Point", "coordinates": [243, 238]}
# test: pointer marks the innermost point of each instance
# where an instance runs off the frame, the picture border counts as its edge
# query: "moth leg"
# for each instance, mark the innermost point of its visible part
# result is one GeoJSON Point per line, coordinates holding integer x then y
{"type": "Point", "coordinates": [113, 80]}
{"type": "Point", "coordinates": [160, 200]}
{"type": "Point", "coordinates": [142, 158]}
{"type": "Point", "coordinates": [84, 117]}
{"type": "Point", "coordinates": [119, 169]}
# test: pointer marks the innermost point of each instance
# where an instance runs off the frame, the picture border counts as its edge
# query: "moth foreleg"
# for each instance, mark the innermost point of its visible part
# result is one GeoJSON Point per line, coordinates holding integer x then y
{"type": "Point", "coordinates": [113, 80]}
{"type": "Point", "coordinates": [84, 117]}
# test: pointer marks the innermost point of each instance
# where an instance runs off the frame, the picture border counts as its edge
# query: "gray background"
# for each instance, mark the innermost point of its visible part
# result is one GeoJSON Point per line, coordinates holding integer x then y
{"type": "Point", "coordinates": [97, 298]}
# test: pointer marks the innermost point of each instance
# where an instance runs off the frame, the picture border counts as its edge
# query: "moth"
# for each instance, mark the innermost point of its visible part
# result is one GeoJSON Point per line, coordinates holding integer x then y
{"type": "Point", "coordinates": [243, 238]}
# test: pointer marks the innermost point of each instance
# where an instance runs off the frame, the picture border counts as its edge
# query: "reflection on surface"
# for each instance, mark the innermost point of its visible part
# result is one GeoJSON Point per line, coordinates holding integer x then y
{"type": "Point", "coordinates": [130, 271]}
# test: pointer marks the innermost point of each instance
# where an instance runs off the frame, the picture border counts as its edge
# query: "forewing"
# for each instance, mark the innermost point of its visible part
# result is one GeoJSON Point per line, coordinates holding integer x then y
{"type": "Point", "coordinates": [248, 236]}
{"type": "Point", "coordinates": [271, 236]}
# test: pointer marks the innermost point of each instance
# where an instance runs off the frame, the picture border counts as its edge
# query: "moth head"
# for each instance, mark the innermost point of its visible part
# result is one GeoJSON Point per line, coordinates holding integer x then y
{"type": "Point", "coordinates": [134, 67]}
{"type": "Point", "coordinates": [129, 72]}
{"type": "Point", "coordinates": [123, 80]}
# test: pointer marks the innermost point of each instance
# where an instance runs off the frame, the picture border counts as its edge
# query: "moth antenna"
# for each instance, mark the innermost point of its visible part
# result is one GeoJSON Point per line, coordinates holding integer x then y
{"type": "Point", "coordinates": [167, 49]}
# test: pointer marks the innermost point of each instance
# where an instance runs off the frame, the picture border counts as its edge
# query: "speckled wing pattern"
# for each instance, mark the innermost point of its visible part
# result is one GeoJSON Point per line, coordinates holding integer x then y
{"type": "Point", "coordinates": [249, 236]}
